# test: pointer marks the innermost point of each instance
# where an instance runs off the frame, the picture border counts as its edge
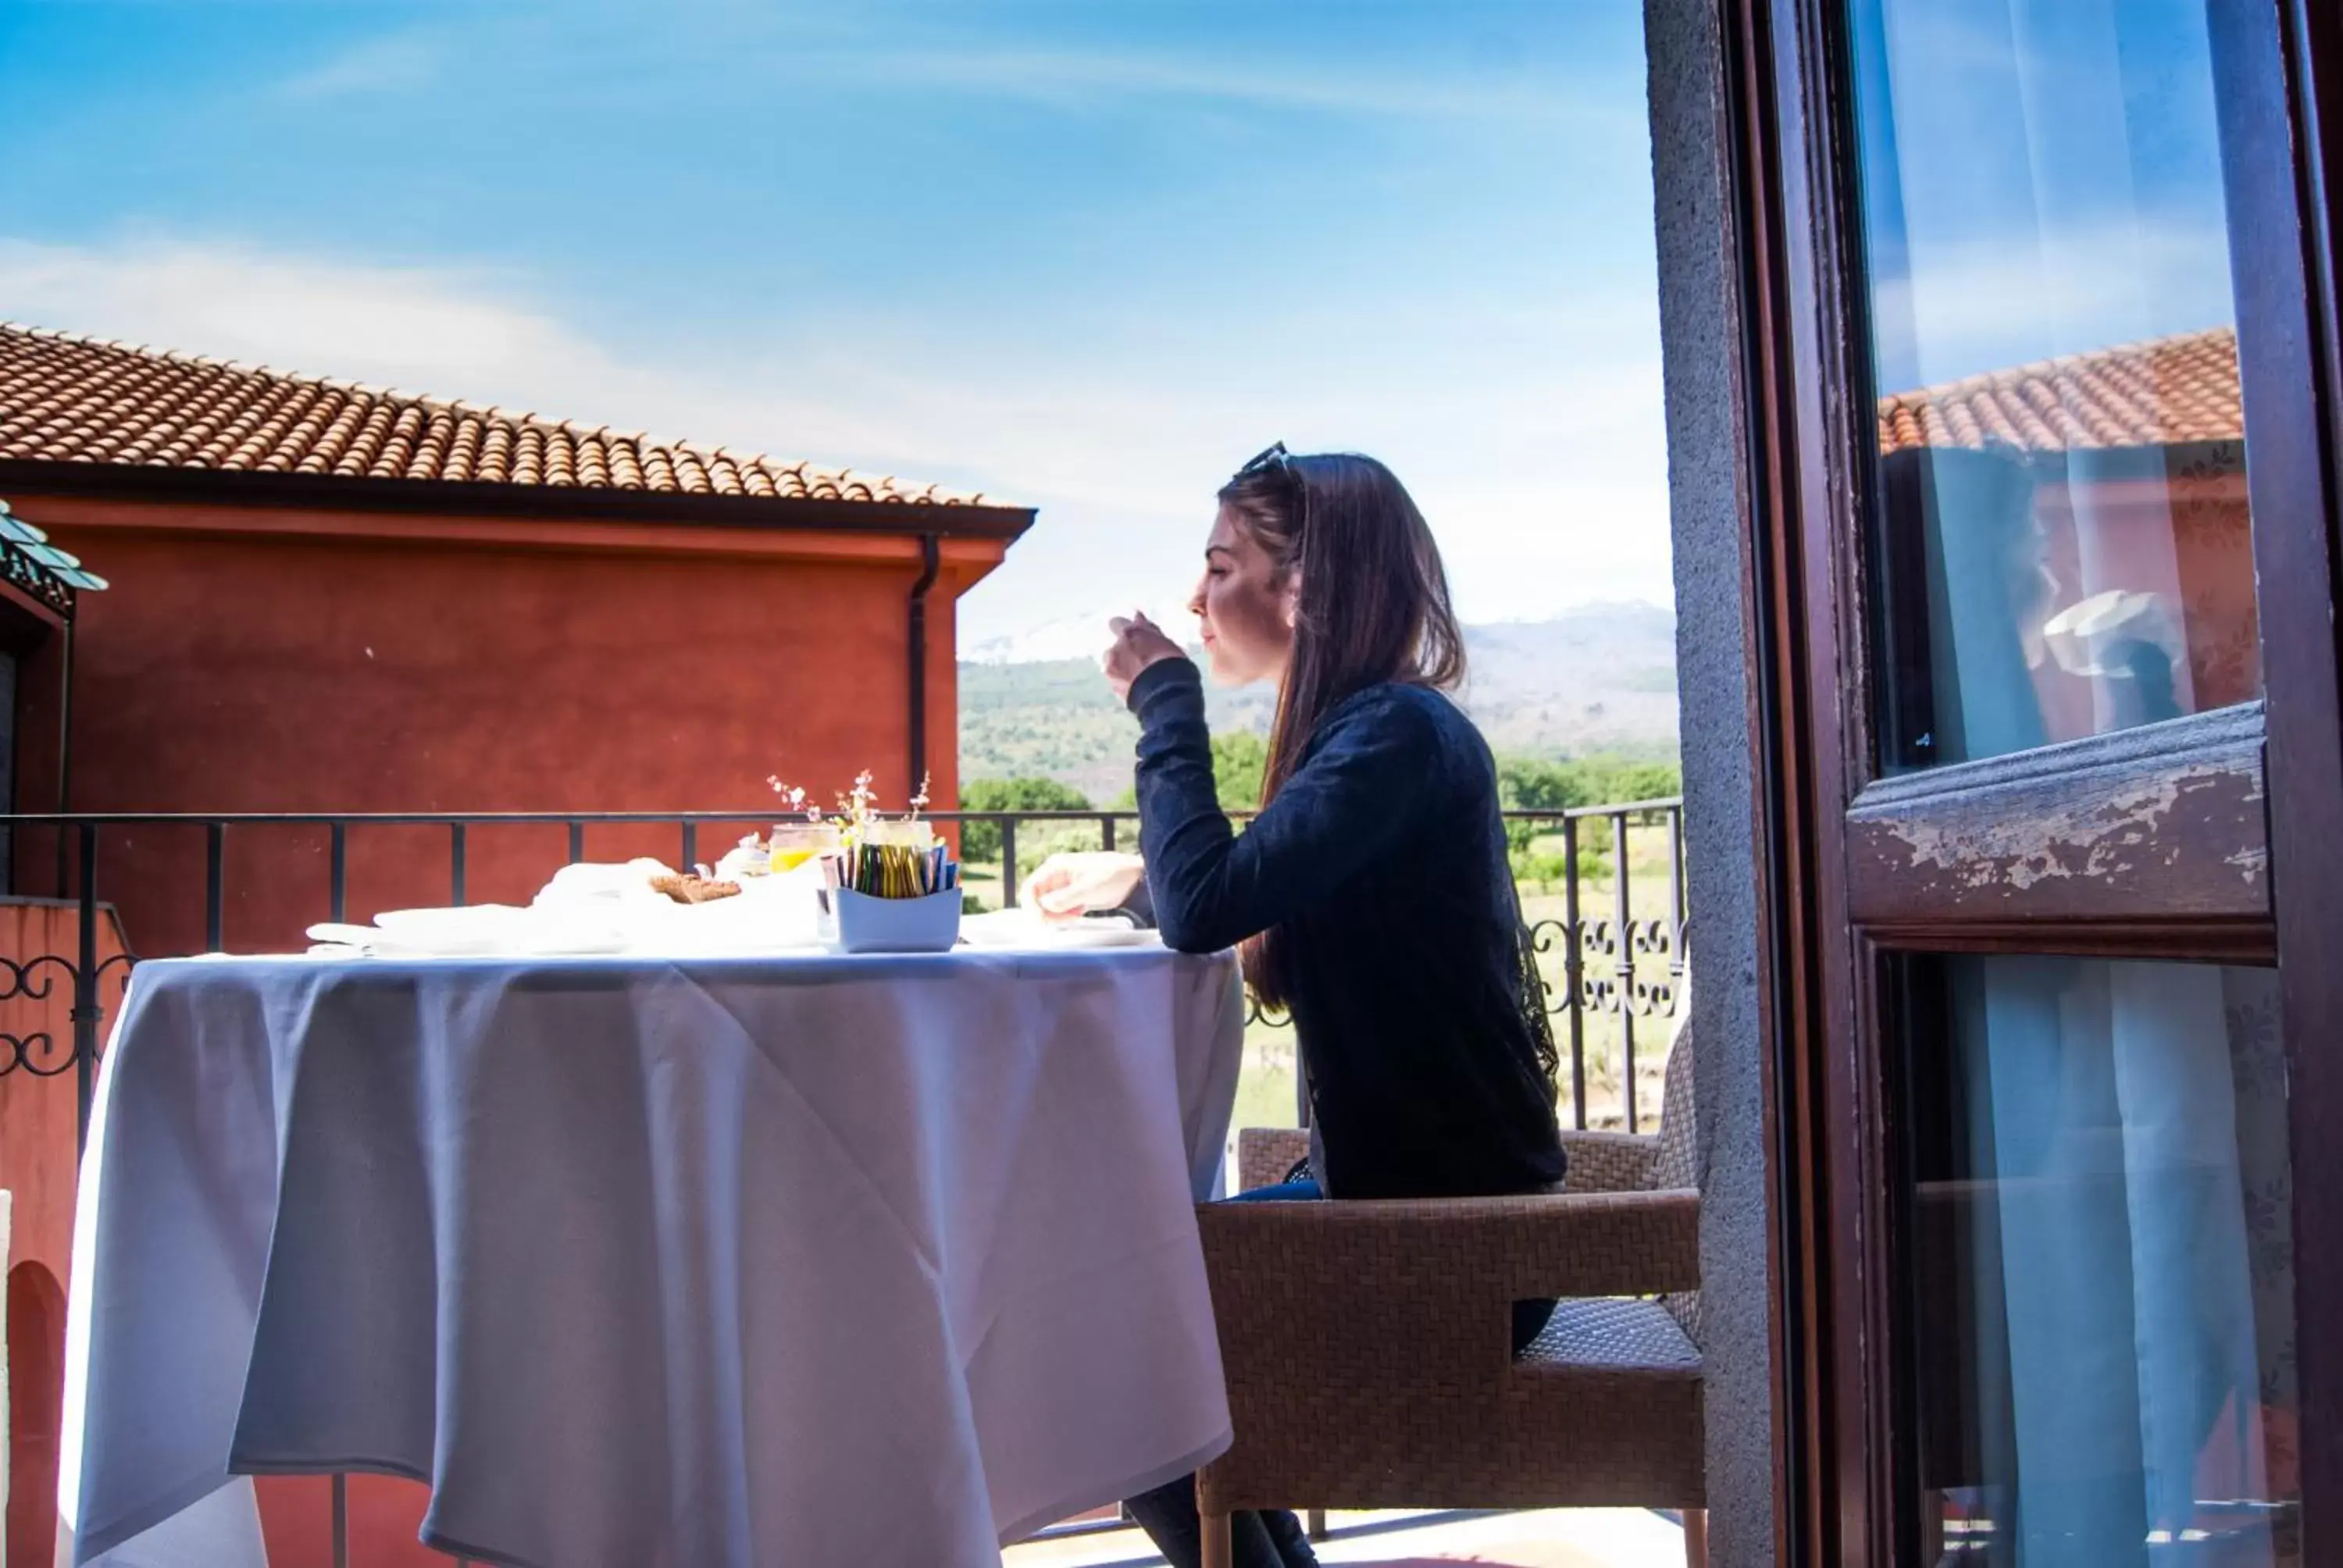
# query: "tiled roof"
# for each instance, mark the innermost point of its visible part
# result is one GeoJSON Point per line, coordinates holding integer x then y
{"type": "Point", "coordinates": [78, 400]}
{"type": "Point", "coordinates": [2167, 392]}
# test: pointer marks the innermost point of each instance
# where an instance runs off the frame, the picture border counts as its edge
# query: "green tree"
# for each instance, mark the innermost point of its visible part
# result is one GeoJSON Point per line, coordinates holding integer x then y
{"type": "Point", "coordinates": [980, 841]}
{"type": "Point", "coordinates": [1623, 779]}
{"type": "Point", "coordinates": [1532, 783]}
{"type": "Point", "coordinates": [1240, 762]}
{"type": "Point", "coordinates": [1535, 784]}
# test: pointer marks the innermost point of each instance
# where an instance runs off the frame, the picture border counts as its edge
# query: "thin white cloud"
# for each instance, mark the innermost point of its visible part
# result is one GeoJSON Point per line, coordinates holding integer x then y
{"type": "Point", "coordinates": [1542, 471]}
{"type": "Point", "coordinates": [840, 50]}
{"type": "Point", "coordinates": [398, 63]}
{"type": "Point", "coordinates": [1998, 300]}
{"type": "Point", "coordinates": [1266, 81]}
{"type": "Point", "coordinates": [418, 329]}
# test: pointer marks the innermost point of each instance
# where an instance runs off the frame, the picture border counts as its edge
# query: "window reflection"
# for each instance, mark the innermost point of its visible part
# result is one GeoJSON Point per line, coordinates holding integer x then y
{"type": "Point", "coordinates": [2061, 536]}
{"type": "Point", "coordinates": [2102, 1285]}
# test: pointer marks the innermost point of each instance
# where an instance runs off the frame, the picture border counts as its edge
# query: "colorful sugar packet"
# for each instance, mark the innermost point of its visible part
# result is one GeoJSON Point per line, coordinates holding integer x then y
{"type": "Point", "coordinates": [892, 870]}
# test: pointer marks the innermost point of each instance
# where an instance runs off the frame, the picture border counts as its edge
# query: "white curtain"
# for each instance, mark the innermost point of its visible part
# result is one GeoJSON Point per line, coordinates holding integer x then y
{"type": "Point", "coordinates": [2103, 1104]}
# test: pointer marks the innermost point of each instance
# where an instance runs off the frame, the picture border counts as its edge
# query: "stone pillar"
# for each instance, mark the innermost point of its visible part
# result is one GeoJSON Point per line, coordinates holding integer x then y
{"type": "Point", "coordinates": [1709, 487]}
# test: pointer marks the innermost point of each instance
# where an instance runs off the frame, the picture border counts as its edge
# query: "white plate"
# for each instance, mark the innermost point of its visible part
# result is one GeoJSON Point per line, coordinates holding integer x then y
{"type": "Point", "coordinates": [485, 930]}
{"type": "Point", "coordinates": [1098, 934]}
{"type": "Point", "coordinates": [467, 918]}
{"type": "Point", "coordinates": [1024, 928]}
{"type": "Point", "coordinates": [472, 931]}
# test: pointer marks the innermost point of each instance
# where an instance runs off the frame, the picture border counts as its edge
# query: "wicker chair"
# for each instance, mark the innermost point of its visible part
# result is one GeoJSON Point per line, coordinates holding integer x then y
{"type": "Point", "coordinates": [1368, 1344]}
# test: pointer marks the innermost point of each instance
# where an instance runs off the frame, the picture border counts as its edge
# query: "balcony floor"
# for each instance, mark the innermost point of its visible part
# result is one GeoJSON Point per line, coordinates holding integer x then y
{"type": "Point", "coordinates": [1547, 1538]}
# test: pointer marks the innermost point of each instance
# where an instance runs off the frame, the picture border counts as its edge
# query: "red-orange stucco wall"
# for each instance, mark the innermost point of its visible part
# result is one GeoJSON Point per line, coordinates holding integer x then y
{"type": "Point", "coordinates": [604, 669]}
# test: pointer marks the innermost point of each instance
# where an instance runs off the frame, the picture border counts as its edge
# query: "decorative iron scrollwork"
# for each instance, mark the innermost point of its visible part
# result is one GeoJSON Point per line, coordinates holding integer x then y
{"type": "Point", "coordinates": [31, 979]}
{"type": "Point", "coordinates": [1257, 1014]}
{"type": "Point", "coordinates": [53, 975]}
{"type": "Point", "coordinates": [1600, 972]}
{"type": "Point", "coordinates": [37, 1054]}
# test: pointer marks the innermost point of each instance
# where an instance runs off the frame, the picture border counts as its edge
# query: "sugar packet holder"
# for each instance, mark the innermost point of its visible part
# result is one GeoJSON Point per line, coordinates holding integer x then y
{"type": "Point", "coordinates": [855, 923]}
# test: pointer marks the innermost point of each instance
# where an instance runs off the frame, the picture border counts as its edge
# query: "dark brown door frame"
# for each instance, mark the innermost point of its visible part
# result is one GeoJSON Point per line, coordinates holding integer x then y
{"type": "Point", "coordinates": [1790, 233]}
{"type": "Point", "coordinates": [1789, 983]}
{"type": "Point", "coordinates": [1840, 1421]}
{"type": "Point", "coordinates": [2282, 184]}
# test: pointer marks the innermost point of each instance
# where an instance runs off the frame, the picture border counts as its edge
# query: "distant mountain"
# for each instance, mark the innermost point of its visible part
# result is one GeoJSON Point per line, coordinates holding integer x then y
{"type": "Point", "coordinates": [1601, 679]}
{"type": "Point", "coordinates": [1598, 679]}
{"type": "Point", "coordinates": [1067, 636]}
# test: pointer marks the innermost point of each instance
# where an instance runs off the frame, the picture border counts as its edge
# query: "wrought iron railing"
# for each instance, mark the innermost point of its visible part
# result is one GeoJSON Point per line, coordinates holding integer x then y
{"type": "Point", "coordinates": [1612, 953]}
{"type": "Point", "coordinates": [1608, 960]}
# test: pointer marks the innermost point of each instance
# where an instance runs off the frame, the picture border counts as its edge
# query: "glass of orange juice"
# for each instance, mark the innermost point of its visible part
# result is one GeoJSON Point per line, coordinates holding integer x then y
{"type": "Point", "coordinates": [795, 843]}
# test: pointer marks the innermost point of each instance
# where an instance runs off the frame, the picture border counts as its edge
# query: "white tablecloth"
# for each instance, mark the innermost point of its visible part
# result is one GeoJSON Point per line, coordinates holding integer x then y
{"type": "Point", "coordinates": [877, 1260]}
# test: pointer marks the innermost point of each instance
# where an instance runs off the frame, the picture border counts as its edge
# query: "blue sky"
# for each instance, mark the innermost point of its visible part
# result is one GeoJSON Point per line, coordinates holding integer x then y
{"type": "Point", "coordinates": [1087, 257]}
{"type": "Point", "coordinates": [2039, 179]}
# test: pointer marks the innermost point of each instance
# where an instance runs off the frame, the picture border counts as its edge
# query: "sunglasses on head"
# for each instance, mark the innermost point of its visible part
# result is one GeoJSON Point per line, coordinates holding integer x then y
{"type": "Point", "coordinates": [1274, 457]}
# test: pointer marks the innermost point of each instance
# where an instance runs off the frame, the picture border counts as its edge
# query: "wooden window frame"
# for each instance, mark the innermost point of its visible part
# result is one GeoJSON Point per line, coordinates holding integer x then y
{"type": "Point", "coordinates": [2249, 820]}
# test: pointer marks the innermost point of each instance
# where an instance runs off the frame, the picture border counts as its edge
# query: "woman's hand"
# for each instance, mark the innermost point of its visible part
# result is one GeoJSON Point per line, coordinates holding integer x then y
{"type": "Point", "coordinates": [1066, 886]}
{"type": "Point", "coordinates": [1139, 642]}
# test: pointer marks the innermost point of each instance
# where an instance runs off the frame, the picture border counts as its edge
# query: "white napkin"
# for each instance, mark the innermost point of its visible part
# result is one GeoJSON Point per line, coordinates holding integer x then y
{"type": "Point", "coordinates": [590, 909]}
{"type": "Point", "coordinates": [590, 882]}
{"type": "Point", "coordinates": [767, 913]}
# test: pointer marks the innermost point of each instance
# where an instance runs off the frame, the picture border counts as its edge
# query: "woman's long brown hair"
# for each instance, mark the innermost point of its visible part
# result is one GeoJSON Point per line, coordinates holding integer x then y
{"type": "Point", "coordinates": [1372, 608]}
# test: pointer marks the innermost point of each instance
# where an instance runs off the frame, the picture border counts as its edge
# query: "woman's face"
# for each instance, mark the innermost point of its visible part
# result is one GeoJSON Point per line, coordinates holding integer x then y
{"type": "Point", "coordinates": [1245, 608]}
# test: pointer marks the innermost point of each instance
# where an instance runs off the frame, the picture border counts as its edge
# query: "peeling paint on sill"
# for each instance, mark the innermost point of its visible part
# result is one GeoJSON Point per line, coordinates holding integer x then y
{"type": "Point", "coordinates": [2106, 837]}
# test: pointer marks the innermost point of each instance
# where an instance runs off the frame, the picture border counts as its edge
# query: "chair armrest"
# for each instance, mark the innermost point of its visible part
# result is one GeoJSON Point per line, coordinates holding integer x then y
{"type": "Point", "coordinates": [1609, 1161]}
{"type": "Point", "coordinates": [1264, 1154]}
{"type": "Point", "coordinates": [1599, 1161]}
{"type": "Point", "coordinates": [1320, 1290]}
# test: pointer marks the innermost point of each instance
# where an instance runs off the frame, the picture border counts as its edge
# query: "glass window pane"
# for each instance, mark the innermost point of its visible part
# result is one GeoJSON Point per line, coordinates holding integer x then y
{"type": "Point", "coordinates": [2098, 1210]}
{"type": "Point", "coordinates": [2061, 542]}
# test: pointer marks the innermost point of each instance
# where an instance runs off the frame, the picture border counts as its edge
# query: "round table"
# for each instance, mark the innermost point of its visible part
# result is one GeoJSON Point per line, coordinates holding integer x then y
{"type": "Point", "coordinates": [710, 1261]}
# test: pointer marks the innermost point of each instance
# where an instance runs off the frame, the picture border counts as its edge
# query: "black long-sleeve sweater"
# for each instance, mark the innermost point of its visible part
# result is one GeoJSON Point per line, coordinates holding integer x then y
{"type": "Point", "coordinates": [1383, 862]}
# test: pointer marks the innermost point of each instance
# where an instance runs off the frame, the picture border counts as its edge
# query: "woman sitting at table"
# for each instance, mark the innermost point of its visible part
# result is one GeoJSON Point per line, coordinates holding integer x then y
{"type": "Point", "coordinates": [1371, 897]}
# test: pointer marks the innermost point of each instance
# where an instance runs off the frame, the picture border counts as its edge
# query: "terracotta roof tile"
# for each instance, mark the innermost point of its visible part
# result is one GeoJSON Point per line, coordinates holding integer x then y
{"type": "Point", "coordinates": [2167, 392]}
{"type": "Point", "coordinates": [75, 400]}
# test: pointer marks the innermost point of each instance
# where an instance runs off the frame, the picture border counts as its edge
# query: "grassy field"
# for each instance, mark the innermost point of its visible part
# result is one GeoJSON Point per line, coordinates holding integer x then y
{"type": "Point", "coordinates": [1265, 1091]}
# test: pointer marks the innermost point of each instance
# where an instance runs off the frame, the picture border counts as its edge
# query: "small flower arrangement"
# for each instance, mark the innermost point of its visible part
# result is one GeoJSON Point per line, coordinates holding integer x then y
{"type": "Point", "coordinates": [857, 836]}
{"type": "Point", "coordinates": [857, 820]}
{"type": "Point", "coordinates": [861, 849]}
